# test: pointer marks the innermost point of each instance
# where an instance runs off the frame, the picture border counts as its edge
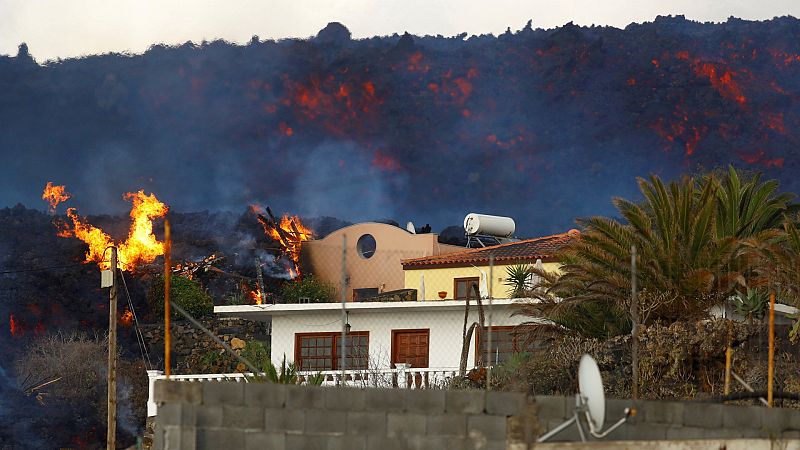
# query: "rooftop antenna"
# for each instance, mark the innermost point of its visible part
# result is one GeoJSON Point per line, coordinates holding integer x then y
{"type": "Point", "coordinates": [591, 402]}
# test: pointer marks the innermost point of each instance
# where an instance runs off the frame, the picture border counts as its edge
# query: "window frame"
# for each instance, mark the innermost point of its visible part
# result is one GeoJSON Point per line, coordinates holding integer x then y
{"type": "Point", "coordinates": [479, 351]}
{"type": "Point", "coordinates": [336, 337]}
{"type": "Point", "coordinates": [467, 280]}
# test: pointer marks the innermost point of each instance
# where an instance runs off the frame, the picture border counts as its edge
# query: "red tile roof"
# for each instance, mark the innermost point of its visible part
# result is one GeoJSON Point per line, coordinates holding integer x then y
{"type": "Point", "coordinates": [529, 250]}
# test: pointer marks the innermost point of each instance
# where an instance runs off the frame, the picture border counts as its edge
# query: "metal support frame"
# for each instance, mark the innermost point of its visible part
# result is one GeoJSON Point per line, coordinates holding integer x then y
{"type": "Point", "coordinates": [581, 408]}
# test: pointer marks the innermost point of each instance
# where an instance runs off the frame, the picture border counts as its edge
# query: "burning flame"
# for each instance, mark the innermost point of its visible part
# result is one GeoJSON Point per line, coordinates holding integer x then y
{"type": "Point", "coordinates": [256, 297]}
{"type": "Point", "coordinates": [293, 234]}
{"type": "Point", "coordinates": [54, 195]}
{"type": "Point", "coordinates": [15, 328]}
{"type": "Point", "coordinates": [126, 319]}
{"type": "Point", "coordinates": [140, 247]}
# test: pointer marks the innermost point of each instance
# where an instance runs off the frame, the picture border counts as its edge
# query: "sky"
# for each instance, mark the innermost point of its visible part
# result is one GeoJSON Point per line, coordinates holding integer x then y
{"type": "Point", "coordinates": [62, 29]}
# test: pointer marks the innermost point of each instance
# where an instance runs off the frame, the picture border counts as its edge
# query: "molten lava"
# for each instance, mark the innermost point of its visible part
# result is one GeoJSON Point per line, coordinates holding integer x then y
{"type": "Point", "coordinates": [141, 245]}
{"type": "Point", "coordinates": [54, 195]}
{"type": "Point", "coordinates": [14, 327]}
{"type": "Point", "coordinates": [126, 319]}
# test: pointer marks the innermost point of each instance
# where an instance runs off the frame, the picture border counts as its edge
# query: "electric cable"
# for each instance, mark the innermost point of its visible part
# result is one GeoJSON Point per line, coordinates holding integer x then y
{"type": "Point", "coordinates": [139, 336]}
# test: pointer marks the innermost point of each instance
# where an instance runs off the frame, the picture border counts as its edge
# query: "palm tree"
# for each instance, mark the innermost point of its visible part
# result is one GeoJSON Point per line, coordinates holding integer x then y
{"type": "Point", "coordinates": [689, 238]}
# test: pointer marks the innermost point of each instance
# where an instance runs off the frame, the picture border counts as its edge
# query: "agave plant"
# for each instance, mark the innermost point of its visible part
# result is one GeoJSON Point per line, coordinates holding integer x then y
{"type": "Point", "coordinates": [287, 374]}
{"type": "Point", "coordinates": [751, 304]}
{"type": "Point", "coordinates": [518, 279]}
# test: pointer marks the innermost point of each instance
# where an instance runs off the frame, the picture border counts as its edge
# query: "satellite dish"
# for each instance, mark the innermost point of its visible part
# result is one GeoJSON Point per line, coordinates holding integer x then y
{"type": "Point", "coordinates": [589, 402]}
{"type": "Point", "coordinates": [410, 228]}
{"type": "Point", "coordinates": [590, 384]}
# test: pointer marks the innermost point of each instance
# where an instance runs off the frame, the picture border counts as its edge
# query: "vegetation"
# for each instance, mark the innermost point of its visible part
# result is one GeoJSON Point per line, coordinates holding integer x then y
{"type": "Point", "coordinates": [310, 287]}
{"type": "Point", "coordinates": [519, 280]}
{"type": "Point", "coordinates": [257, 353]}
{"type": "Point", "coordinates": [188, 294]}
{"type": "Point", "coordinates": [751, 304]}
{"type": "Point", "coordinates": [698, 242]}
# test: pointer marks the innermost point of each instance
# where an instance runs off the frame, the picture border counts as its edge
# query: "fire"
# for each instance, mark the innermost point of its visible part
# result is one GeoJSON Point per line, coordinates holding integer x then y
{"type": "Point", "coordinates": [141, 245]}
{"type": "Point", "coordinates": [54, 195]}
{"type": "Point", "coordinates": [289, 232]}
{"type": "Point", "coordinates": [256, 297]}
{"type": "Point", "coordinates": [126, 319]}
{"type": "Point", "coordinates": [15, 328]}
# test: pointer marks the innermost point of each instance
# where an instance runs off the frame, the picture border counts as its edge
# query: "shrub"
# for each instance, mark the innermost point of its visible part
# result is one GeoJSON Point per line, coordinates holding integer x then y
{"type": "Point", "coordinates": [316, 290]}
{"type": "Point", "coordinates": [188, 294]}
{"type": "Point", "coordinates": [256, 352]}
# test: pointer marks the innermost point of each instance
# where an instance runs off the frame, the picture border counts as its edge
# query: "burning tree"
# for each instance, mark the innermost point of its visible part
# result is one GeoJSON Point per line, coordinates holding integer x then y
{"type": "Point", "coordinates": [289, 232]}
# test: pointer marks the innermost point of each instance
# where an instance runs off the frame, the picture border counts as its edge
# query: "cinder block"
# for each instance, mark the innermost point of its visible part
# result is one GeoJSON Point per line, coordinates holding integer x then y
{"type": "Point", "coordinates": [775, 420]}
{"type": "Point", "coordinates": [570, 434]}
{"type": "Point", "coordinates": [217, 438]}
{"type": "Point", "coordinates": [366, 423]}
{"type": "Point", "coordinates": [307, 442]}
{"type": "Point", "coordinates": [320, 421]}
{"type": "Point", "coordinates": [284, 420]}
{"type": "Point", "coordinates": [447, 425]}
{"type": "Point", "coordinates": [385, 400]}
{"type": "Point", "coordinates": [433, 442]}
{"type": "Point", "coordinates": [305, 397]}
{"type": "Point", "coordinates": [158, 437]}
{"type": "Point", "coordinates": [486, 445]}
{"type": "Point", "coordinates": [179, 438]}
{"type": "Point", "coordinates": [790, 435]}
{"type": "Point", "coordinates": [486, 427]}
{"type": "Point", "coordinates": [662, 412]}
{"type": "Point", "coordinates": [505, 403]}
{"type": "Point", "coordinates": [178, 392]}
{"type": "Point", "coordinates": [646, 432]}
{"type": "Point", "coordinates": [386, 443]}
{"type": "Point", "coordinates": [467, 401]}
{"type": "Point", "coordinates": [223, 393]}
{"type": "Point", "coordinates": [704, 415]}
{"type": "Point", "coordinates": [429, 401]}
{"type": "Point", "coordinates": [182, 414]}
{"type": "Point", "coordinates": [209, 416]}
{"type": "Point", "coordinates": [348, 442]}
{"type": "Point", "coordinates": [399, 424]}
{"type": "Point", "coordinates": [741, 417]}
{"type": "Point", "coordinates": [550, 407]}
{"type": "Point", "coordinates": [262, 440]}
{"type": "Point", "coordinates": [686, 433]}
{"type": "Point", "coordinates": [243, 417]}
{"type": "Point", "coordinates": [615, 409]}
{"type": "Point", "coordinates": [345, 399]}
{"type": "Point", "coordinates": [266, 395]}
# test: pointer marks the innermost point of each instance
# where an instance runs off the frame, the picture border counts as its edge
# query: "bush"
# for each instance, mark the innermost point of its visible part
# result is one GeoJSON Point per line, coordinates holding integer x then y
{"type": "Point", "coordinates": [316, 290]}
{"type": "Point", "coordinates": [188, 294]}
{"type": "Point", "coordinates": [256, 352]}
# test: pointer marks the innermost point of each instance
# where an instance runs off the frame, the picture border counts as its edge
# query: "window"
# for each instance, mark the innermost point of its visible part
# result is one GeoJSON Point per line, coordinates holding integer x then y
{"type": "Point", "coordinates": [463, 287]}
{"type": "Point", "coordinates": [322, 351]}
{"type": "Point", "coordinates": [366, 246]}
{"type": "Point", "coordinates": [504, 344]}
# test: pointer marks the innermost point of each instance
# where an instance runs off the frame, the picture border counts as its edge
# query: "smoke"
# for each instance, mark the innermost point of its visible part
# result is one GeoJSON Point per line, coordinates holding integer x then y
{"type": "Point", "coordinates": [542, 125]}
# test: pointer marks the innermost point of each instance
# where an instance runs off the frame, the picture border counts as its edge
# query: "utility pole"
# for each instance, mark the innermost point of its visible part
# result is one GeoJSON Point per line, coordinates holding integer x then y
{"type": "Point", "coordinates": [111, 435]}
{"type": "Point", "coordinates": [634, 328]}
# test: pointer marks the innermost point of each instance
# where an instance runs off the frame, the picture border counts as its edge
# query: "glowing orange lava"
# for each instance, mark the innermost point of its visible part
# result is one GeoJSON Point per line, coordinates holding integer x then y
{"type": "Point", "coordinates": [15, 328]}
{"type": "Point", "coordinates": [54, 195]}
{"type": "Point", "coordinates": [126, 319]}
{"type": "Point", "coordinates": [256, 297]}
{"type": "Point", "coordinates": [141, 245]}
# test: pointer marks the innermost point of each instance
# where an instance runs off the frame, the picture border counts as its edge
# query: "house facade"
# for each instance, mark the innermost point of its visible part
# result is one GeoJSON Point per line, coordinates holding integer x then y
{"type": "Point", "coordinates": [454, 273]}
{"type": "Point", "coordinates": [370, 263]}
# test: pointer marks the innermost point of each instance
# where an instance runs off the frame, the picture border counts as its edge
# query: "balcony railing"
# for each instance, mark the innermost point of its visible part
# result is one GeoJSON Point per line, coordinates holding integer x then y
{"type": "Point", "coordinates": [402, 377]}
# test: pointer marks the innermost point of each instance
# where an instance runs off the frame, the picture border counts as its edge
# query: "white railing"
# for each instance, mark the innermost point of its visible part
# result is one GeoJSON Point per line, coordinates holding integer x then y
{"type": "Point", "coordinates": [403, 377]}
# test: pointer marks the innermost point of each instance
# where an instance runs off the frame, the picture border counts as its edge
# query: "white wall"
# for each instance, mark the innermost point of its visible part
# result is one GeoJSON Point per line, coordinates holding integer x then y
{"type": "Point", "coordinates": [446, 328]}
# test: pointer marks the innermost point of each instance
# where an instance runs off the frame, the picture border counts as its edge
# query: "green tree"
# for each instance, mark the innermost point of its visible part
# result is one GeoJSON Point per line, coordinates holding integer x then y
{"type": "Point", "coordinates": [188, 294]}
{"type": "Point", "coordinates": [310, 287]}
{"type": "Point", "coordinates": [690, 238]}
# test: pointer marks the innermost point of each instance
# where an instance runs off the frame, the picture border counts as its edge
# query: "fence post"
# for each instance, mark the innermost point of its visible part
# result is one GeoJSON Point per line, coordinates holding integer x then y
{"type": "Point", "coordinates": [152, 376]}
{"type": "Point", "coordinates": [344, 306]}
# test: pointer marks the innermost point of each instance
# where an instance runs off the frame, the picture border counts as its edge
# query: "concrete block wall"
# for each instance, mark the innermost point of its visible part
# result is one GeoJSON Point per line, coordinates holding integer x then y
{"type": "Point", "coordinates": [657, 420]}
{"type": "Point", "coordinates": [213, 415]}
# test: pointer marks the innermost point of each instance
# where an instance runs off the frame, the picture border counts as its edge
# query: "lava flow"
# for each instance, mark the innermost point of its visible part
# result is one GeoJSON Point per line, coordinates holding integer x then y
{"type": "Point", "coordinates": [141, 245]}
{"type": "Point", "coordinates": [54, 195]}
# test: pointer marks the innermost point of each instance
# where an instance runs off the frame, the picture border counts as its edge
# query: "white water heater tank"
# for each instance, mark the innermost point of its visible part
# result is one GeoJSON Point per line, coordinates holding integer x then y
{"type": "Point", "coordinates": [489, 225]}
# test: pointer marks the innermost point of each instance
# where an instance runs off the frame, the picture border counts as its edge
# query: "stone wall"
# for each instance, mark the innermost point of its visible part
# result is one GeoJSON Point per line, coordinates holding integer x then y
{"type": "Point", "coordinates": [190, 345]}
{"type": "Point", "coordinates": [210, 415]}
{"type": "Point", "coordinates": [214, 415]}
{"type": "Point", "coordinates": [657, 420]}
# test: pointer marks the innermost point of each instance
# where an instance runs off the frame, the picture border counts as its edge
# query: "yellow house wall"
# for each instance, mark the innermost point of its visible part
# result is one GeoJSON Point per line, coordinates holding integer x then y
{"type": "Point", "coordinates": [442, 279]}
